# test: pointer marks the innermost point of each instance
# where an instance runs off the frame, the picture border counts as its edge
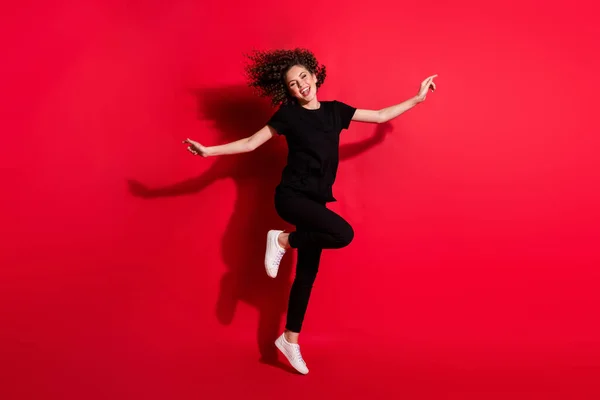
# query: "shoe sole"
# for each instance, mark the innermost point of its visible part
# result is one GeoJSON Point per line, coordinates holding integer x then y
{"type": "Point", "coordinates": [280, 348]}
{"type": "Point", "coordinates": [267, 269]}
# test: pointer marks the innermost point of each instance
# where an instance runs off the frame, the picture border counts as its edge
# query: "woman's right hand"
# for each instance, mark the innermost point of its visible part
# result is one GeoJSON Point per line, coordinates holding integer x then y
{"type": "Point", "coordinates": [196, 148]}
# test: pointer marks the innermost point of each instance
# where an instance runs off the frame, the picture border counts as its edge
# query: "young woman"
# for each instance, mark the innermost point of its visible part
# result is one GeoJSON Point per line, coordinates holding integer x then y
{"type": "Point", "coordinates": [312, 129]}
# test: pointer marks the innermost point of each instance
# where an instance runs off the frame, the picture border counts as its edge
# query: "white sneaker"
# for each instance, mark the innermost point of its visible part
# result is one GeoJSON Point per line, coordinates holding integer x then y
{"type": "Point", "coordinates": [291, 351]}
{"type": "Point", "coordinates": [273, 254]}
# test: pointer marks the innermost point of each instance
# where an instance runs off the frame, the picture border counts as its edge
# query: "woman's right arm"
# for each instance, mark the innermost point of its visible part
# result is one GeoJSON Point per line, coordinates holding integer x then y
{"type": "Point", "coordinates": [244, 145]}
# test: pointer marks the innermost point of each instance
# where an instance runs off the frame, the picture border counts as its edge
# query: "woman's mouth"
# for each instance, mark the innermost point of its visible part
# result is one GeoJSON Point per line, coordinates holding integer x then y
{"type": "Point", "coordinates": [304, 92]}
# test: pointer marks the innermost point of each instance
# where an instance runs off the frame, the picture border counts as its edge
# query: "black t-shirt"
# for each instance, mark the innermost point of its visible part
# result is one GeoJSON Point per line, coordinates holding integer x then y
{"type": "Point", "coordinates": [313, 138]}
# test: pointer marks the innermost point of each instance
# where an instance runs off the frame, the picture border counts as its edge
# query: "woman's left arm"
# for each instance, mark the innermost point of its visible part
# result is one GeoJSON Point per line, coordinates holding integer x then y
{"type": "Point", "coordinates": [389, 113]}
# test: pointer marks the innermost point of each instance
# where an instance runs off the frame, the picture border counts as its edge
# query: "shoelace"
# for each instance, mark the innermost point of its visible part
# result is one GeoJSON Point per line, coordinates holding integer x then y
{"type": "Point", "coordinates": [298, 354]}
{"type": "Point", "coordinates": [278, 257]}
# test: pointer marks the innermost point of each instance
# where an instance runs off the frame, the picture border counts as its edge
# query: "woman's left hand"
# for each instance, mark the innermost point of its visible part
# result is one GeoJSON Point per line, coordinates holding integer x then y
{"type": "Point", "coordinates": [425, 85]}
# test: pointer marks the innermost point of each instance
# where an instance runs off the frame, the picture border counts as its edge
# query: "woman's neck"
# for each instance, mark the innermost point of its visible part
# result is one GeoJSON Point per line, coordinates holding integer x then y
{"type": "Point", "coordinates": [314, 104]}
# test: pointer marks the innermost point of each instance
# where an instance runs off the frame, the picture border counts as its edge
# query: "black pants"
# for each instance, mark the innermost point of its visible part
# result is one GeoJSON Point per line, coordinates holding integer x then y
{"type": "Point", "coordinates": [317, 228]}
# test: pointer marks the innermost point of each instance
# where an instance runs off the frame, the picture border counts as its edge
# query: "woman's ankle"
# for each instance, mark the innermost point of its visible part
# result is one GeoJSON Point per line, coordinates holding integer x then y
{"type": "Point", "coordinates": [283, 240]}
{"type": "Point", "coordinates": [291, 337]}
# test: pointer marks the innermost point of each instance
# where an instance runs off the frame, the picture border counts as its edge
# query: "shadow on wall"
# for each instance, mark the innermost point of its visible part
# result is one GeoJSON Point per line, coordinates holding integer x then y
{"type": "Point", "coordinates": [237, 112]}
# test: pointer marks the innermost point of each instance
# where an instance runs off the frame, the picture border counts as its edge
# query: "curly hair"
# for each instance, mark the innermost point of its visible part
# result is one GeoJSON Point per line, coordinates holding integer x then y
{"type": "Point", "coordinates": [266, 72]}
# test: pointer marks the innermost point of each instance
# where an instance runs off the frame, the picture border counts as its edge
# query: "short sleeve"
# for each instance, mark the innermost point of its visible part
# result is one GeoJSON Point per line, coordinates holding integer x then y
{"type": "Point", "coordinates": [345, 112]}
{"type": "Point", "coordinates": [278, 121]}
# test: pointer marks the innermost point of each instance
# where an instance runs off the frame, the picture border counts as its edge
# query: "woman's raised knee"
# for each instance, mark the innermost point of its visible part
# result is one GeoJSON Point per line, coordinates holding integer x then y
{"type": "Point", "coordinates": [345, 236]}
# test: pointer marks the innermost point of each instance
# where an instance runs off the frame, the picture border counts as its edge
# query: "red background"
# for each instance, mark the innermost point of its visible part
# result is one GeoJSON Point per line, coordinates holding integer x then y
{"type": "Point", "coordinates": [130, 269]}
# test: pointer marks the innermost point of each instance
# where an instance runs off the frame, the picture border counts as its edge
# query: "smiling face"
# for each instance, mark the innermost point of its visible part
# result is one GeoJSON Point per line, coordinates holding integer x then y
{"type": "Point", "coordinates": [302, 84]}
